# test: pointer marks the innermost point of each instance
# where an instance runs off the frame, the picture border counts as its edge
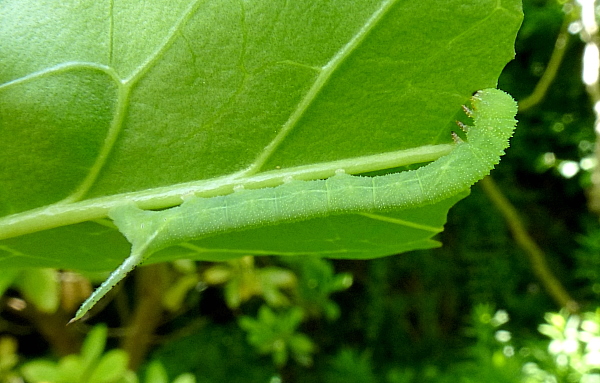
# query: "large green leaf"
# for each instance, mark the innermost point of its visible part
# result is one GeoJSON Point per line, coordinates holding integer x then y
{"type": "Point", "coordinates": [107, 102]}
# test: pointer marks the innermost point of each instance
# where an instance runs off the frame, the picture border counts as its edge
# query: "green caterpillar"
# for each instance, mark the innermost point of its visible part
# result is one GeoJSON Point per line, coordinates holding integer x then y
{"type": "Point", "coordinates": [493, 113]}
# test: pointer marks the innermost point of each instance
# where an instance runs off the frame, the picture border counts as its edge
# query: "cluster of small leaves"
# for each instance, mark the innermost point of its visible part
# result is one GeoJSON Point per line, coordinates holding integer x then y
{"type": "Point", "coordinates": [351, 366]}
{"type": "Point", "coordinates": [318, 280]}
{"type": "Point", "coordinates": [93, 365]}
{"type": "Point", "coordinates": [275, 332]}
{"type": "Point", "coordinates": [571, 355]}
{"type": "Point", "coordinates": [242, 281]}
{"type": "Point", "coordinates": [492, 357]}
{"type": "Point", "coordinates": [574, 346]}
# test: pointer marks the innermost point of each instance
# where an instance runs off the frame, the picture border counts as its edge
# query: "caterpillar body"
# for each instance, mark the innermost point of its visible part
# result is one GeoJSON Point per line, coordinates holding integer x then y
{"type": "Point", "coordinates": [493, 113]}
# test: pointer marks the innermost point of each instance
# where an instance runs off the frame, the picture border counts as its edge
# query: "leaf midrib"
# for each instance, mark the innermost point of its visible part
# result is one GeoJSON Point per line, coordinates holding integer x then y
{"type": "Point", "coordinates": [61, 214]}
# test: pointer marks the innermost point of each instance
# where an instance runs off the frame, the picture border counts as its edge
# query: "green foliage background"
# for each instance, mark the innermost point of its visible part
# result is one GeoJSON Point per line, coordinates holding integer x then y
{"type": "Point", "coordinates": [415, 317]}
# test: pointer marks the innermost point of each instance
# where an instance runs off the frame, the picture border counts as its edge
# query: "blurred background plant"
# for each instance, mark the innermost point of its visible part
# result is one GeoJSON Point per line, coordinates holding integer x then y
{"type": "Point", "coordinates": [425, 316]}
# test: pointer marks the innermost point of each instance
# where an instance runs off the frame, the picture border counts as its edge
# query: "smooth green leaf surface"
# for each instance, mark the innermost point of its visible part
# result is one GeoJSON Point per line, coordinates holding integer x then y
{"type": "Point", "coordinates": [40, 370]}
{"type": "Point", "coordinates": [155, 373]}
{"type": "Point", "coordinates": [107, 102]}
{"type": "Point", "coordinates": [93, 346]}
{"type": "Point", "coordinates": [112, 367]}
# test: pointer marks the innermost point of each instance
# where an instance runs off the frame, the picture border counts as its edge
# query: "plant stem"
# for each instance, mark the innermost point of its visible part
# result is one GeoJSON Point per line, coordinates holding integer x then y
{"type": "Point", "coordinates": [541, 88]}
{"type": "Point", "coordinates": [536, 256]}
{"type": "Point", "coordinates": [148, 312]}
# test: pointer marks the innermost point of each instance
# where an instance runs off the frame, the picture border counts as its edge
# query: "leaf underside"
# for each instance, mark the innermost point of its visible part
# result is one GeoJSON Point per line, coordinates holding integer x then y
{"type": "Point", "coordinates": [106, 103]}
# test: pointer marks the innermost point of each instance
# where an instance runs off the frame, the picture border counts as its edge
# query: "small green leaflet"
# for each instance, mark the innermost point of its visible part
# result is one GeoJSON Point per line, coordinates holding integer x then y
{"type": "Point", "coordinates": [493, 113]}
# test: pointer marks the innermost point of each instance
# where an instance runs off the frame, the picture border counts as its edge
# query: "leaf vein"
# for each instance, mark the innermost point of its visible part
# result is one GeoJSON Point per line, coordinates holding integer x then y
{"type": "Point", "coordinates": [168, 42]}
{"type": "Point", "coordinates": [321, 80]}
